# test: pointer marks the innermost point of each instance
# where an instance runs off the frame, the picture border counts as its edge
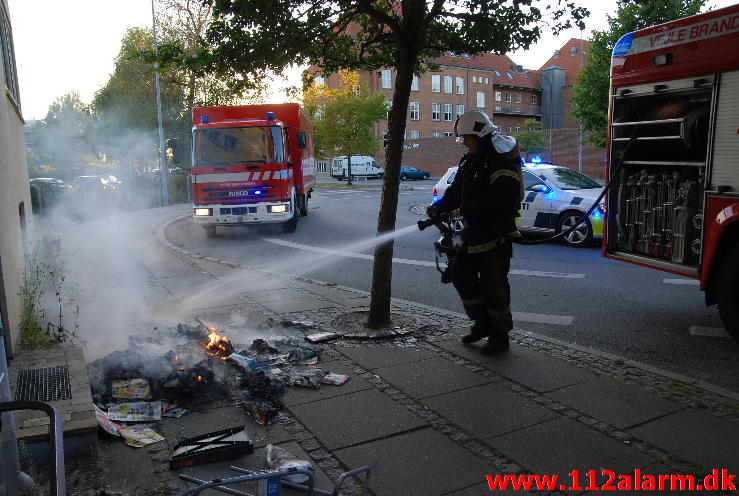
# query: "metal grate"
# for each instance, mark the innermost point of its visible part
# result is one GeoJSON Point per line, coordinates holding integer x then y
{"type": "Point", "coordinates": [47, 384]}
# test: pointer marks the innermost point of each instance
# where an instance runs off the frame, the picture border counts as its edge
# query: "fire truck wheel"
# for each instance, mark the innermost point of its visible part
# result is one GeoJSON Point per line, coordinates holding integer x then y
{"type": "Point", "coordinates": [582, 236]}
{"type": "Point", "coordinates": [292, 224]}
{"type": "Point", "coordinates": [210, 231]}
{"type": "Point", "coordinates": [727, 292]}
{"type": "Point", "coordinates": [303, 205]}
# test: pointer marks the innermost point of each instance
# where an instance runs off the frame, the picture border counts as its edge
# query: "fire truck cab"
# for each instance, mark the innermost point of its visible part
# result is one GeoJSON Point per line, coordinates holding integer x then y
{"type": "Point", "coordinates": [674, 125]}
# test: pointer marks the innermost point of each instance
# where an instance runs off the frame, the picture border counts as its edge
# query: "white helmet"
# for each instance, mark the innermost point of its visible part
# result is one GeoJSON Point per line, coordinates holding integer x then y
{"type": "Point", "coordinates": [474, 122]}
{"type": "Point", "coordinates": [478, 123]}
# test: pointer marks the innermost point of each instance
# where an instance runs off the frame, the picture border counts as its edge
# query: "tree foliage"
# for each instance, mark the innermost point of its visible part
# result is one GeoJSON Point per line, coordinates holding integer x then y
{"type": "Point", "coordinates": [530, 139]}
{"type": "Point", "coordinates": [249, 37]}
{"type": "Point", "coordinates": [590, 99]}
{"type": "Point", "coordinates": [343, 116]}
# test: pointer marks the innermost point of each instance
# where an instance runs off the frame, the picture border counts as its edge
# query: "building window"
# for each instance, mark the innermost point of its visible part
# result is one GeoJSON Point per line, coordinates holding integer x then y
{"type": "Point", "coordinates": [448, 133]}
{"type": "Point", "coordinates": [486, 80]}
{"type": "Point", "coordinates": [414, 83]}
{"type": "Point", "coordinates": [510, 129]}
{"type": "Point", "coordinates": [498, 96]}
{"type": "Point", "coordinates": [534, 100]}
{"type": "Point", "coordinates": [388, 105]}
{"type": "Point", "coordinates": [435, 111]}
{"type": "Point", "coordinates": [573, 52]}
{"type": "Point", "coordinates": [415, 134]}
{"type": "Point", "coordinates": [510, 76]}
{"type": "Point", "coordinates": [518, 97]}
{"type": "Point", "coordinates": [447, 111]}
{"type": "Point", "coordinates": [387, 82]}
{"type": "Point", "coordinates": [7, 53]}
{"type": "Point", "coordinates": [481, 99]}
{"type": "Point", "coordinates": [518, 109]}
{"type": "Point", "coordinates": [498, 108]}
{"type": "Point", "coordinates": [460, 110]}
{"type": "Point", "coordinates": [318, 81]}
{"type": "Point", "coordinates": [556, 54]}
{"type": "Point", "coordinates": [518, 129]}
{"type": "Point", "coordinates": [447, 84]}
{"type": "Point", "coordinates": [474, 79]}
{"type": "Point", "coordinates": [436, 83]}
{"type": "Point", "coordinates": [508, 97]}
{"type": "Point", "coordinates": [415, 111]}
{"type": "Point", "coordinates": [460, 85]}
{"type": "Point", "coordinates": [436, 134]}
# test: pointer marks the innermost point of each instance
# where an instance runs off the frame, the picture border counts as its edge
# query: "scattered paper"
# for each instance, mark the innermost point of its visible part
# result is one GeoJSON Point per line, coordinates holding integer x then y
{"type": "Point", "coordinates": [335, 379]}
{"type": "Point", "coordinates": [143, 411]}
{"type": "Point", "coordinates": [105, 423]}
{"type": "Point", "coordinates": [139, 436]}
{"type": "Point", "coordinates": [321, 336]}
{"type": "Point", "coordinates": [131, 389]}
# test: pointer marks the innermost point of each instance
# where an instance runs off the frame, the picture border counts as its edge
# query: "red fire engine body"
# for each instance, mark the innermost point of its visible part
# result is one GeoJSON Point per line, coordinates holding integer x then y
{"type": "Point", "coordinates": [252, 164]}
{"type": "Point", "coordinates": [674, 121]}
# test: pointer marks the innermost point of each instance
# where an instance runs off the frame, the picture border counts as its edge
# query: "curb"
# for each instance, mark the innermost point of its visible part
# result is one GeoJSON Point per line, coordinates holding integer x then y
{"type": "Point", "coordinates": [662, 382]}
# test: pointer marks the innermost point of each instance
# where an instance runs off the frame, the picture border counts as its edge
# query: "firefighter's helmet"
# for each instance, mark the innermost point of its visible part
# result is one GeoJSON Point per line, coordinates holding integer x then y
{"type": "Point", "coordinates": [473, 122]}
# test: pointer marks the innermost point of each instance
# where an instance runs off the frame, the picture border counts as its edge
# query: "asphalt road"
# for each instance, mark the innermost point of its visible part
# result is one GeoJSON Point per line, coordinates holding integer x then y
{"type": "Point", "coordinates": [571, 294]}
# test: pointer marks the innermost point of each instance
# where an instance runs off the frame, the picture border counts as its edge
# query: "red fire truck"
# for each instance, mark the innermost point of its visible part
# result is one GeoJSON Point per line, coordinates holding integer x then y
{"type": "Point", "coordinates": [252, 164]}
{"type": "Point", "coordinates": [674, 128]}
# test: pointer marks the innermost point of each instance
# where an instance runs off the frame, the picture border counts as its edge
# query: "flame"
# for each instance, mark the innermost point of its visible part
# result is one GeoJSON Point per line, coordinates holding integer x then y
{"type": "Point", "coordinates": [200, 378]}
{"type": "Point", "coordinates": [218, 344]}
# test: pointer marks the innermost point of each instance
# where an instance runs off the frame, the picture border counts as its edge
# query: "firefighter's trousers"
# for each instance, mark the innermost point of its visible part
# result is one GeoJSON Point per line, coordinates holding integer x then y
{"type": "Point", "coordinates": [481, 279]}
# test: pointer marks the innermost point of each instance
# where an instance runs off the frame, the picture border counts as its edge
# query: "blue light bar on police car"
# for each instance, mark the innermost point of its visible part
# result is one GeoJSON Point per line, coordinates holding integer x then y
{"type": "Point", "coordinates": [536, 159]}
{"type": "Point", "coordinates": [257, 191]}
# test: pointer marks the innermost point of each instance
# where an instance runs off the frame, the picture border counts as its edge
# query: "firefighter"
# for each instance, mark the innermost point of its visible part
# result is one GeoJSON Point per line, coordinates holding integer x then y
{"type": "Point", "coordinates": [486, 193]}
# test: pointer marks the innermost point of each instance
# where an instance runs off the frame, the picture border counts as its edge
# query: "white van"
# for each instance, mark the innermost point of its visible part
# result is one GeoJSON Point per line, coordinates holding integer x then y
{"type": "Point", "coordinates": [362, 166]}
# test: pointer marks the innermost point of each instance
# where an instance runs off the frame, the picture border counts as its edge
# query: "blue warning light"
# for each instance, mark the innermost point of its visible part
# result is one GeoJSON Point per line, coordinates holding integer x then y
{"type": "Point", "coordinates": [536, 159]}
{"type": "Point", "coordinates": [257, 191]}
{"type": "Point", "coordinates": [204, 119]}
{"type": "Point", "coordinates": [270, 116]}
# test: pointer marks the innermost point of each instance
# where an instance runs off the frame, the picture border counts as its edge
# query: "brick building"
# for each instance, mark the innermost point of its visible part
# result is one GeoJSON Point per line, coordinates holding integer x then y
{"type": "Point", "coordinates": [506, 91]}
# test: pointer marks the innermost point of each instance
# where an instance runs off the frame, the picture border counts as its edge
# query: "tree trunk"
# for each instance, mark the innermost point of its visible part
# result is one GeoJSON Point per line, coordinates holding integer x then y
{"type": "Point", "coordinates": [349, 170]}
{"type": "Point", "coordinates": [382, 271]}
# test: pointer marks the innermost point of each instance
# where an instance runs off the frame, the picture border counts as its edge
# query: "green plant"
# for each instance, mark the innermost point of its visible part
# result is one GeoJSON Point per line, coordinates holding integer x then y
{"type": "Point", "coordinates": [41, 280]}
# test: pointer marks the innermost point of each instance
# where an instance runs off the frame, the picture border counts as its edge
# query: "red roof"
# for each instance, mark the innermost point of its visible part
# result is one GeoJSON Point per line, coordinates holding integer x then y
{"type": "Point", "coordinates": [571, 57]}
{"type": "Point", "coordinates": [508, 72]}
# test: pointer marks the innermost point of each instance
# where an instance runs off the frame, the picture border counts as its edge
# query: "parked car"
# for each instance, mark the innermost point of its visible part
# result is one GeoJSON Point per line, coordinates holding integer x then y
{"type": "Point", "coordinates": [362, 166]}
{"type": "Point", "coordinates": [555, 197]}
{"type": "Point", "coordinates": [410, 172]}
{"type": "Point", "coordinates": [46, 192]}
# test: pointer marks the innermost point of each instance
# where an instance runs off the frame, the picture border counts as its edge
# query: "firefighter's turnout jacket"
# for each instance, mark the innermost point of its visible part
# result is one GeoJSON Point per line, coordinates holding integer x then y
{"type": "Point", "coordinates": [486, 190]}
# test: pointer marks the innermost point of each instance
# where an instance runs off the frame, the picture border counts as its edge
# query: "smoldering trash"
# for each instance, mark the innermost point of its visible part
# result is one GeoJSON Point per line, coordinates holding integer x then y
{"type": "Point", "coordinates": [191, 367]}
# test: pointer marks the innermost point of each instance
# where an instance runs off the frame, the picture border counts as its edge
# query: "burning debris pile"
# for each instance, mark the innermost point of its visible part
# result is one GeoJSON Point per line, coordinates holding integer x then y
{"type": "Point", "coordinates": [198, 366]}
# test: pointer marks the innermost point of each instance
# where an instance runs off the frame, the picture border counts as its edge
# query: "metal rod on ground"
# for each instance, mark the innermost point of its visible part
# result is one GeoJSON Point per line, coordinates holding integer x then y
{"type": "Point", "coordinates": [222, 489]}
{"type": "Point", "coordinates": [217, 484]}
{"type": "Point", "coordinates": [162, 158]}
{"type": "Point", "coordinates": [284, 482]}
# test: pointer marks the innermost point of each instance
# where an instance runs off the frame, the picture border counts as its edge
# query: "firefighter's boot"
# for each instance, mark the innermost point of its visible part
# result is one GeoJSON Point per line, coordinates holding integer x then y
{"type": "Point", "coordinates": [481, 328]}
{"type": "Point", "coordinates": [497, 343]}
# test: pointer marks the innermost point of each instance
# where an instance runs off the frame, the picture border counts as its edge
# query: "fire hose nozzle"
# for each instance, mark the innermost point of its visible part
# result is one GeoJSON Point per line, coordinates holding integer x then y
{"type": "Point", "coordinates": [423, 224]}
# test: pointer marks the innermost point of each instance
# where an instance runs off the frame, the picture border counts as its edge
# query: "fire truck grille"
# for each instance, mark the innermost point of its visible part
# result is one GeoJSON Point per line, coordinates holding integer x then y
{"type": "Point", "coordinates": [46, 384]}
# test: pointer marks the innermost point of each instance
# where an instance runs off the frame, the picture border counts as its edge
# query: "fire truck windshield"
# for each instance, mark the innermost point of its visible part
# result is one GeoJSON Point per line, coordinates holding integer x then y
{"type": "Point", "coordinates": [238, 145]}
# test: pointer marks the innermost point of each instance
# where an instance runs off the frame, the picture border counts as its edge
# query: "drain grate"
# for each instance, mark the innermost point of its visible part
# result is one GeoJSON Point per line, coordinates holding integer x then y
{"type": "Point", "coordinates": [47, 384]}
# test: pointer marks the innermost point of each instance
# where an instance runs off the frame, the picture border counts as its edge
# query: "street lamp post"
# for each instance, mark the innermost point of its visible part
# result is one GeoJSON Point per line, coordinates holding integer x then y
{"type": "Point", "coordinates": [162, 158]}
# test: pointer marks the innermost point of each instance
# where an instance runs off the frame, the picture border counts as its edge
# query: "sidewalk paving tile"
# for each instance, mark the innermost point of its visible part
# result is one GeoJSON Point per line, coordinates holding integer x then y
{"type": "Point", "coordinates": [489, 410]}
{"type": "Point", "coordinates": [355, 418]}
{"type": "Point", "coordinates": [183, 287]}
{"type": "Point", "coordinates": [276, 294]}
{"type": "Point", "coordinates": [536, 370]}
{"type": "Point", "coordinates": [617, 403]}
{"type": "Point", "coordinates": [484, 490]}
{"type": "Point", "coordinates": [298, 395]}
{"type": "Point", "coordinates": [170, 268]}
{"type": "Point", "coordinates": [373, 357]}
{"type": "Point", "coordinates": [563, 445]}
{"type": "Point", "coordinates": [195, 423]}
{"type": "Point", "coordinates": [430, 377]}
{"type": "Point", "coordinates": [697, 436]}
{"type": "Point", "coordinates": [297, 304]}
{"type": "Point", "coordinates": [422, 462]}
{"type": "Point", "coordinates": [255, 462]}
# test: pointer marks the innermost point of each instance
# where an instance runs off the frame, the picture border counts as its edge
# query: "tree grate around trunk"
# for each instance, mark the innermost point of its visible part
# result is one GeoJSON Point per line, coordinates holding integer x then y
{"type": "Point", "coordinates": [45, 384]}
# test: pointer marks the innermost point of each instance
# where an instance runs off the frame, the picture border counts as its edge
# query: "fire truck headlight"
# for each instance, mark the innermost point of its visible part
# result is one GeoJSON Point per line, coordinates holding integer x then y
{"type": "Point", "coordinates": [203, 212]}
{"type": "Point", "coordinates": [277, 209]}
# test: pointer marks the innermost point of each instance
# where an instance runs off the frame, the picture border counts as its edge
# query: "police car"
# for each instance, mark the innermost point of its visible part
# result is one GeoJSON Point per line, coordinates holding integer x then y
{"type": "Point", "coordinates": [555, 198]}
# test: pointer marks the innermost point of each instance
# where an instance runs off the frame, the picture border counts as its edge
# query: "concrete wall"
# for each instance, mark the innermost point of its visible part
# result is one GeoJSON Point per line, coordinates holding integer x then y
{"type": "Point", "coordinates": [15, 201]}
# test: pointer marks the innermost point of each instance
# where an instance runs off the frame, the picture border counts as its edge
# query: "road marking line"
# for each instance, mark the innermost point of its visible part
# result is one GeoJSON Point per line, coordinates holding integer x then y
{"type": "Point", "coordinates": [424, 263]}
{"type": "Point", "coordinates": [712, 332]}
{"type": "Point", "coordinates": [542, 318]}
{"type": "Point", "coordinates": [520, 272]}
{"type": "Point", "coordinates": [688, 282]}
